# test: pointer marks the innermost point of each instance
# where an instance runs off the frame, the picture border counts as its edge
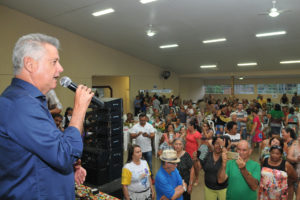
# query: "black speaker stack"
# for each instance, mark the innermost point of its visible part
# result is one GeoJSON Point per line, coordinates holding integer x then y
{"type": "Point", "coordinates": [102, 155]}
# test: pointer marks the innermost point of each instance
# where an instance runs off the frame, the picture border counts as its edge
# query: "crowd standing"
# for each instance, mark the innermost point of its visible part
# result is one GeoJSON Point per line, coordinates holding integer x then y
{"type": "Point", "coordinates": [218, 136]}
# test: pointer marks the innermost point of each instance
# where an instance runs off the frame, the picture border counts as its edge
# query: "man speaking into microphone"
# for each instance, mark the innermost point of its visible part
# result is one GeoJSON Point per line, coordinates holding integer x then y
{"type": "Point", "coordinates": [36, 158]}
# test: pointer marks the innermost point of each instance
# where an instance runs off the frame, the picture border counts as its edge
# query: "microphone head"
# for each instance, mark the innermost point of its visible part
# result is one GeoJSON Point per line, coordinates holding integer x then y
{"type": "Point", "coordinates": [65, 81]}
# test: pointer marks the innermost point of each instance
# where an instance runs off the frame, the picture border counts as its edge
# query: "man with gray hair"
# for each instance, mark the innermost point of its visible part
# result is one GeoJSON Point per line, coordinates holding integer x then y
{"type": "Point", "coordinates": [242, 173]}
{"type": "Point", "coordinates": [36, 159]}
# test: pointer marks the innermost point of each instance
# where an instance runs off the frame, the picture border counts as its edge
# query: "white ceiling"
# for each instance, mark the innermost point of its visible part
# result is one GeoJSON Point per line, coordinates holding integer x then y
{"type": "Point", "coordinates": [186, 22]}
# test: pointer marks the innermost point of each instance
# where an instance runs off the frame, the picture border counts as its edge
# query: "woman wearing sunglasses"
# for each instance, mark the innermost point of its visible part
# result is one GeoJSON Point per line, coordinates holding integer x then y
{"type": "Point", "coordinates": [275, 174]}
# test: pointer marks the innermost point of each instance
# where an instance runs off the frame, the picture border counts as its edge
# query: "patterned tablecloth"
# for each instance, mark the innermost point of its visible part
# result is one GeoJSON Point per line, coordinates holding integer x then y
{"type": "Point", "coordinates": [85, 193]}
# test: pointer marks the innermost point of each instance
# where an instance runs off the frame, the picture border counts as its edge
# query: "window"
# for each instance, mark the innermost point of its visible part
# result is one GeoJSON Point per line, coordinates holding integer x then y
{"type": "Point", "coordinates": [277, 88]}
{"type": "Point", "coordinates": [244, 89]}
{"type": "Point", "coordinates": [217, 89]}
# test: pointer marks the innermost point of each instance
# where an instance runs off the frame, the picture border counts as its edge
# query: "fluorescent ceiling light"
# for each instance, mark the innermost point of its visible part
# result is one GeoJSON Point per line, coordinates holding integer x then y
{"type": "Point", "coordinates": [289, 61]}
{"type": "Point", "coordinates": [247, 64]}
{"type": "Point", "coordinates": [214, 40]}
{"type": "Point", "coordinates": [241, 78]}
{"type": "Point", "coordinates": [103, 12]}
{"type": "Point", "coordinates": [168, 46]}
{"type": "Point", "coordinates": [270, 34]}
{"type": "Point", "coordinates": [208, 66]}
{"type": "Point", "coordinates": [147, 1]}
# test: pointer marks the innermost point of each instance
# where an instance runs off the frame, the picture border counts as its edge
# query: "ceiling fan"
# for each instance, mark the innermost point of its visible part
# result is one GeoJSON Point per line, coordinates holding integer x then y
{"type": "Point", "coordinates": [274, 12]}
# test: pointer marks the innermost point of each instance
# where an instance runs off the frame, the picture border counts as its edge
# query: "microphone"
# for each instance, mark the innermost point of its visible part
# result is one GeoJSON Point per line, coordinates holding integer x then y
{"type": "Point", "coordinates": [67, 82]}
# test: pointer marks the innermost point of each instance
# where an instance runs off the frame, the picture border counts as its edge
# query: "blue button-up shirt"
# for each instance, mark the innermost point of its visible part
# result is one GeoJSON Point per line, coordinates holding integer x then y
{"type": "Point", "coordinates": [166, 183]}
{"type": "Point", "coordinates": [36, 158]}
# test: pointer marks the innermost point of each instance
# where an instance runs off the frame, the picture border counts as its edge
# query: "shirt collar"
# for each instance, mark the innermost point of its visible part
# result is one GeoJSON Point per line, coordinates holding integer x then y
{"type": "Point", "coordinates": [31, 89]}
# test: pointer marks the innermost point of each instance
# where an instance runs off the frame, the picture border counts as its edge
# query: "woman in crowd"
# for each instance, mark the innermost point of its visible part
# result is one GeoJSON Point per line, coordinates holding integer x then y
{"type": "Point", "coordinates": [136, 174]}
{"type": "Point", "coordinates": [182, 133]}
{"type": "Point", "coordinates": [67, 117]}
{"type": "Point", "coordinates": [177, 125]}
{"type": "Point", "coordinates": [220, 120]}
{"type": "Point", "coordinates": [294, 158]}
{"type": "Point", "coordinates": [211, 165]}
{"type": "Point", "coordinates": [273, 141]}
{"type": "Point", "coordinates": [167, 138]}
{"type": "Point", "coordinates": [292, 120]}
{"type": "Point", "coordinates": [130, 118]}
{"type": "Point", "coordinates": [275, 173]}
{"type": "Point", "coordinates": [193, 141]}
{"type": "Point", "coordinates": [255, 131]}
{"type": "Point", "coordinates": [276, 116]}
{"type": "Point", "coordinates": [169, 135]}
{"type": "Point", "coordinates": [206, 141]}
{"type": "Point", "coordinates": [185, 167]}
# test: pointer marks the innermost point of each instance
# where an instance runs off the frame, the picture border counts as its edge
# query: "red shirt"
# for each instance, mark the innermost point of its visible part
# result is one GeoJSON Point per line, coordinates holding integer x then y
{"type": "Point", "coordinates": [191, 142]}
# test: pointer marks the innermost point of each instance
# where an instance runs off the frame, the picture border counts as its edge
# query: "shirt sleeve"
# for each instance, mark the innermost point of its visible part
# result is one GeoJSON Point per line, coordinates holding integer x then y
{"type": "Point", "coordinates": [256, 172]}
{"type": "Point", "coordinates": [164, 187]}
{"type": "Point", "coordinates": [34, 129]}
{"type": "Point", "coordinates": [126, 176]}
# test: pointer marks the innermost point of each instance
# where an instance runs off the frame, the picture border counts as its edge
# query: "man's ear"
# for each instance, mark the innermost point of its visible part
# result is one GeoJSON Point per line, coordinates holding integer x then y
{"type": "Point", "coordinates": [250, 151]}
{"type": "Point", "coordinates": [29, 64]}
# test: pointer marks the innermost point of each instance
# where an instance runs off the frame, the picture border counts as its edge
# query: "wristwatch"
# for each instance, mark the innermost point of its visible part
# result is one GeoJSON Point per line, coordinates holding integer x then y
{"type": "Point", "coordinates": [184, 188]}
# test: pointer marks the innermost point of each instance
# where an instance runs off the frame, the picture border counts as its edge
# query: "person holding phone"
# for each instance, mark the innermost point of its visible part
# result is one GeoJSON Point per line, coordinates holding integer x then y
{"type": "Point", "coordinates": [243, 174]}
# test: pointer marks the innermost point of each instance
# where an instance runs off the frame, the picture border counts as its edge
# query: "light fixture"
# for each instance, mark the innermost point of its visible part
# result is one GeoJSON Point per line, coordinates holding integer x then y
{"type": "Point", "coordinates": [273, 11]}
{"type": "Point", "coordinates": [214, 40]}
{"type": "Point", "coordinates": [150, 31]}
{"type": "Point", "coordinates": [247, 64]}
{"type": "Point", "coordinates": [270, 34]}
{"type": "Point", "coordinates": [241, 78]}
{"type": "Point", "coordinates": [168, 46]}
{"type": "Point", "coordinates": [103, 12]}
{"type": "Point", "coordinates": [147, 1]}
{"type": "Point", "coordinates": [208, 66]}
{"type": "Point", "coordinates": [289, 61]}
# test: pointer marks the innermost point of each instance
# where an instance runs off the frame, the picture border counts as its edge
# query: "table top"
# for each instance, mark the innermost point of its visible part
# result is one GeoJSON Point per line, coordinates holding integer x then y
{"type": "Point", "coordinates": [85, 193]}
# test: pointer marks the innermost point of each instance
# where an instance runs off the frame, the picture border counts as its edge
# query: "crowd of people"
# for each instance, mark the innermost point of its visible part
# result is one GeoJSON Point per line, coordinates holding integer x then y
{"type": "Point", "coordinates": [218, 137]}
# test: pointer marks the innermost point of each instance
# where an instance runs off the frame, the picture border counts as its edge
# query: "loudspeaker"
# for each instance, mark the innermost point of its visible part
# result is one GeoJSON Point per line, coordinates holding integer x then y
{"type": "Point", "coordinates": [103, 144]}
{"type": "Point", "coordinates": [166, 74]}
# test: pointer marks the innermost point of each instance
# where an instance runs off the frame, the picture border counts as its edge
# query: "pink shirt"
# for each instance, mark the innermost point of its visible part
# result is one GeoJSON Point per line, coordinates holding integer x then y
{"type": "Point", "coordinates": [191, 142]}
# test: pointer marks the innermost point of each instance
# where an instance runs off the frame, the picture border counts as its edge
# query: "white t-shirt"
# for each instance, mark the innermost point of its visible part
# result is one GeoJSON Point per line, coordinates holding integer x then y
{"type": "Point", "coordinates": [234, 138]}
{"type": "Point", "coordinates": [143, 142]}
{"type": "Point", "coordinates": [136, 176]}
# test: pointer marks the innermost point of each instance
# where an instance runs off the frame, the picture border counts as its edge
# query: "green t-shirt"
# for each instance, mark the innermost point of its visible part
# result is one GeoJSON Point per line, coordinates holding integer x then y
{"type": "Point", "coordinates": [237, 186]}
{"type": "Point", "coordinates": [276, 114]}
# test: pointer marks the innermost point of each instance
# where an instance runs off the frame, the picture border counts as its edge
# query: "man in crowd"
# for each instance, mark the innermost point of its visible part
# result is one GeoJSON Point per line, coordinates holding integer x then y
{"type": "Point", "coordinates": [243, 174]}
{"type": "Point", "coordinates": [37, 158]}
{"type": "Point", "coordinates": [143, 132]}
{"type": "Point", "coordinates": [169, 184]}
{"type": "Point", "coordinates": [242, 118]}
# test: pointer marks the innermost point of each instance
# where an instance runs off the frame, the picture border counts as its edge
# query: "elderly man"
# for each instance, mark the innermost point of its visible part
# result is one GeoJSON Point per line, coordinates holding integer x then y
{"type": "Point", "coordinates": [143, 132]}
{"type": "Point", "coordinates": [243, 174]}
{"type": "Point", "coordinates": [169, 184]}
{"type": "Point", "coordinates": [36, 159]}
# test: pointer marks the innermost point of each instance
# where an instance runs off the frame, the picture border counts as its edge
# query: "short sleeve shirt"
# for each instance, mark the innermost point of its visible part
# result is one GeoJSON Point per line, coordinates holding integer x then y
{"type": "Point", "coordinates": [237, 185]}
{"type": "Point", "coordinates": [143, 142]}
{"type": "Point", "coordinates": [136, 176]}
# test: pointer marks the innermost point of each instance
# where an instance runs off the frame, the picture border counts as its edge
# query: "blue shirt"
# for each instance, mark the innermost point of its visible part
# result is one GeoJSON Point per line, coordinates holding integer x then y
{"type": "Point", "coordinates": [36, 158]}
{"type": "Point", "coordinates": [165, 183]}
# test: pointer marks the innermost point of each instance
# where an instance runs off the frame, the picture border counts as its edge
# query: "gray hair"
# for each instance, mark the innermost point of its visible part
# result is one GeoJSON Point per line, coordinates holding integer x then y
{"type": "Point", "coordinates": [181, 140]}
{"type": "Point", "coordinates": [31, 45]}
